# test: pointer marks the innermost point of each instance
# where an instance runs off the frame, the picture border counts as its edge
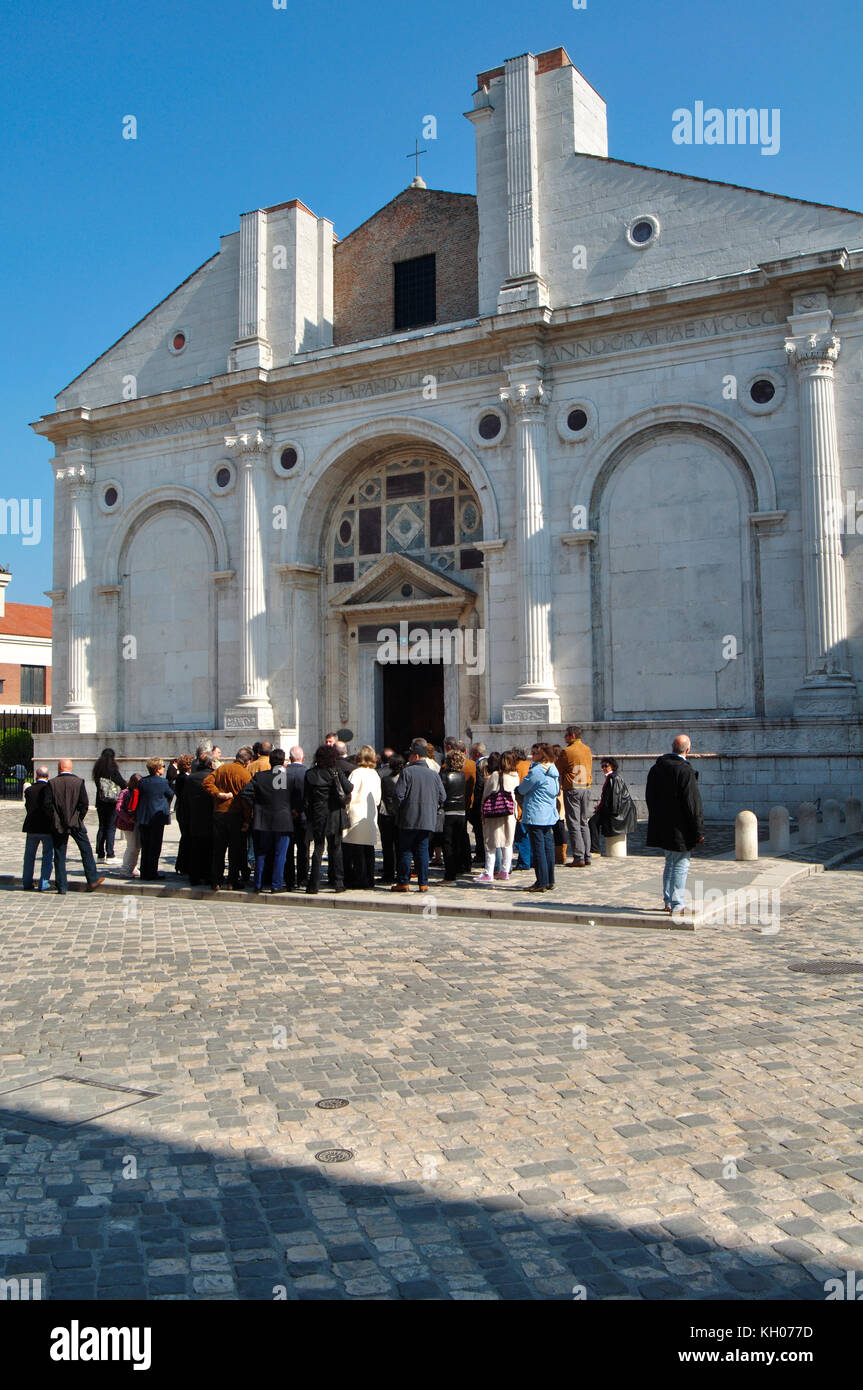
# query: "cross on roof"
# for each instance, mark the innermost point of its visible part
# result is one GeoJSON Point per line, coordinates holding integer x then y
{"type": "Point", "coordinates": [415, 155]}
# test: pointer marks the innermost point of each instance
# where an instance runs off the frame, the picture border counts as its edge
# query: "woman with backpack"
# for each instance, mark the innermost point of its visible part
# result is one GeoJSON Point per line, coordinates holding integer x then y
{"type": "Point", "coordinates": [109, 784]}
{"type": "Point", "coordinates": [127, 805]}
{"type": "Point", "coordinates": [498, 815]}
{"type": "Point", "coordinates": [326, 793]}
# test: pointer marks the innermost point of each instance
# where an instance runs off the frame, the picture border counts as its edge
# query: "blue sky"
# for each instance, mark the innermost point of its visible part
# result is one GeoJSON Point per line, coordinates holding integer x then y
{"type": "Point", "coordinates": [241, 105]}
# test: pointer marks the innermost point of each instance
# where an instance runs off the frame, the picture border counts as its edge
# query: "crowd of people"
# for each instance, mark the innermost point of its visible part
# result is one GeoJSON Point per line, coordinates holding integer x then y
{"type": "Point", "coordinates": [267, 819]}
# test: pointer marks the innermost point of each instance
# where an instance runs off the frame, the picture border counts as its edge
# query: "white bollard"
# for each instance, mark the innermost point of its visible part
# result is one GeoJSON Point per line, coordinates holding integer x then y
{"type": "Point", "coordinates": [780, 831]}
{"type": "Point", "coordinates": [831, 824]}
{"type": "Point", "coordinates": [807, 822]}
{"type": "Point", "coordinates": [853, 819]}
{"type": "Point", "coordinates": [614, 847]}
{"type": "Point", "coordinates": [746, 835]}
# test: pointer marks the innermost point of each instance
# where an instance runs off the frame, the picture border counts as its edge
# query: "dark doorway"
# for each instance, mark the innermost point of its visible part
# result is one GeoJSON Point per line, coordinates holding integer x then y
{"type": "Point", "coordinates": [413, 705]}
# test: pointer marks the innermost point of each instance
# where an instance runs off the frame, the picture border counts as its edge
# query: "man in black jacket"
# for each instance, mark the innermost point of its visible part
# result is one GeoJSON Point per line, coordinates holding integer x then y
{"type": "Point", "coordinates": [270, 796]}
{"type": "Point", "coordinates": [675, 818]}
{"type": "Point", "coordinates": [296, 875]}
{"type": "Point", "coordinates": [39, 828]}
{"type": "Point", "coordinates": [199, 809]}
{"type": "Point", "coordinates": [71, 804]}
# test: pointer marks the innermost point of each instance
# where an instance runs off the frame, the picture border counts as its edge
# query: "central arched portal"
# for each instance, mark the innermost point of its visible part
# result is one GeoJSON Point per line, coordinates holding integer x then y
{"type": "Point", "coordinates": [404, 599]}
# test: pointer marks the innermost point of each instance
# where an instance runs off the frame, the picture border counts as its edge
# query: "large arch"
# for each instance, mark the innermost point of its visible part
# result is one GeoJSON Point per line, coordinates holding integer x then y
{"type": "Point", "coordinates": [331, 471]}
{"type": "Point", "coordinates": [164, 499]}
{"type": "Point", "coordinates": [725, 432]}
{"type": "Point", "coordinates": [675, 569]}
{"type": "Point", "coordinates": [160, 560]}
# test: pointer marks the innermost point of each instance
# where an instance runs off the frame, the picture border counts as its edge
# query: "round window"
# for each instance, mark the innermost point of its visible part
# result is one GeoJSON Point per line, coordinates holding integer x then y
{"type": "Point", "coordinates": [576, 420]}
{"type": "Point", "coordinates": [762, 391]}
{"type": "Point", "coordinates": [642, 232]}
{"type": "Point", "coordinates": [223, 477]}
{"type": "Point", "coordinates": [111, 496]}
{"type": "Point", "coordinates": [288, 459]}
{"type": "Point", "coordinates": [407, 590]}
{"type": "Point", "coordinates": [489, 426]}
{"type": "Point", "coordinates": [178, 342]}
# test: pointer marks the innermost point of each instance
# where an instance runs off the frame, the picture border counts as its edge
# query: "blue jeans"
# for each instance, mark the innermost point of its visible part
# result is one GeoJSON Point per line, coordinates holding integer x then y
{"type": "Point", "coordinates": [414, 844]}
{"type": "Point", "coordinates": [273, 847]}
{"type": "Point", "coordinates": [522, 844]}
{"type": "Point", "coordinates": [674, 877]}
{"type": "Point", "coordinates": [542, 854]}
{"type": "Point", "coordinates": [61, 844]}
{"type": "Point", "coordinates": [31, 846]}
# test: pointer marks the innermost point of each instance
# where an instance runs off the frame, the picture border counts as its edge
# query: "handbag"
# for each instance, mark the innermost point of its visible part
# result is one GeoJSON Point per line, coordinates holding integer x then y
{"type": "Point", "coordinates": [341, 795]}
{"type": "Point", "coordinates": [498, 802]}
{"type": "Point", "coordinates": [108, 790]}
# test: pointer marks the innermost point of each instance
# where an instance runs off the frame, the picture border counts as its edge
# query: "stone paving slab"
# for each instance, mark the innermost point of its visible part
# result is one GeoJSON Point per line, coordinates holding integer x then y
{"type": "Point", "coordinates": [536, 1110]}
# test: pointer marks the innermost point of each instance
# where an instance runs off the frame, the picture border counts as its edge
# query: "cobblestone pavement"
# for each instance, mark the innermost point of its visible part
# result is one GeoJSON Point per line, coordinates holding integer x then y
{"type": "Point", "coordinates": [536, 1111]}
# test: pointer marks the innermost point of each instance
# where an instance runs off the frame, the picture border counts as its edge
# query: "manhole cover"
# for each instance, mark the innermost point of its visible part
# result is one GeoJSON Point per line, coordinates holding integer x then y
{"type": "Point", "coordinates": [334, 1155]}
{"type": "Point", "coordinates": [331, 1103]}
{"type": "Point", "coordinates": [828, 967]}
{"type": "Point", "coordinates": [65, 1102]}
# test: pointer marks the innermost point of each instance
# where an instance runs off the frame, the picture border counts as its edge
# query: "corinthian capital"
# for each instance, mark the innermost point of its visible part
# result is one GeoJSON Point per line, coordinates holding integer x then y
{"type": "Point", "coordinates": [808, 350]}
{"type": "Point", "coordinates": [80, 475]}
{"type": "Point", "coordinates": [526, 398]}
{"type": "Point", "coordinates": [249, 446]}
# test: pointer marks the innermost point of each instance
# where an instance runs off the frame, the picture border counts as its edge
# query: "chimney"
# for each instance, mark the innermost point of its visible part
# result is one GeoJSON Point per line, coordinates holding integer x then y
{"type": "Point", "coordinates": [5, 577]}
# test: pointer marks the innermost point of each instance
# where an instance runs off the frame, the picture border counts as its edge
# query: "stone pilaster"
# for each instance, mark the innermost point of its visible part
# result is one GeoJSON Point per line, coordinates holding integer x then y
{"type": "Point", "coordinates": [78, 714]}
{"type": "Point", "coordinates": [813, 349]}
{"type": "Point", "coordinates": [252, 709]}
{"type": "Point", "coordinates": [536, 701]}
{"type": "Point", "coordinates": [524, 286]}
{"type": "Point", "coordinates": [252, 348]}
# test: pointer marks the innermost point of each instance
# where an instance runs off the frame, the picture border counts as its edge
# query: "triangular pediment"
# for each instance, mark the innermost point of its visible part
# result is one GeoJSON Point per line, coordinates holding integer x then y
{"type": "Point", "coordinates": [383, 586]}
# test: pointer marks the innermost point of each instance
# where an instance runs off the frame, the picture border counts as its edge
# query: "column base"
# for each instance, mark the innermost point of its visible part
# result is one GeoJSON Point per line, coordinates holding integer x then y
{"type": "Point", "coordinates": [254, 716]}
{"type": "Point", "coordinates": [835, 697]}
{"type": "Point", "coordinates": [532, 711]}
{"type": "Point", "coordinates": [250, 352]}
{"type": "Point", "coordinates": [79, 722]}
{"type": "Point", "coordinates": [522, 292]}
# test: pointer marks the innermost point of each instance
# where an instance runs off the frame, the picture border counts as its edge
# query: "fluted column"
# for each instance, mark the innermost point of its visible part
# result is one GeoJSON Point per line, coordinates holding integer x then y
{"type": "Point", "coordinates": [252, 709]}
{"type": "Point", "coordinates": [524, 286]}
{"type": "Point", "coordinates": [536, 700]}
{"type": "Point", "coordinates": [828, 687]}
{"type": "Point", "coordinates": [78, 715]}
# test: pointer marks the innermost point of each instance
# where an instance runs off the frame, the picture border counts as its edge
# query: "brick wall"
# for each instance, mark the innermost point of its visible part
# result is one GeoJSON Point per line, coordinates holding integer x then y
{"type": "Point", "coordinates": [10, 674]}
{"type": "Point", "coordinates": [419, 222]}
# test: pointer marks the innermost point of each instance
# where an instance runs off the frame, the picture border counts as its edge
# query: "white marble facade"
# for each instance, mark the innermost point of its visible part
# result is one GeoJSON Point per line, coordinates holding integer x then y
{"type": "Point", "coordinates": [662, 545]}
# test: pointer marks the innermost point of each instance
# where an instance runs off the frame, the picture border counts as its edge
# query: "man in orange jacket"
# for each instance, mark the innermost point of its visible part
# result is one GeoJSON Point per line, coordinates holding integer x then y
{"type": "Point", "coordinates": [575, 766]}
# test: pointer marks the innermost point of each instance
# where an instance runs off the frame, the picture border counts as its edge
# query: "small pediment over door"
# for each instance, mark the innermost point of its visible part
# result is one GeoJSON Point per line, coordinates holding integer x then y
{"type": "Point", "coordinates": [397, 586]}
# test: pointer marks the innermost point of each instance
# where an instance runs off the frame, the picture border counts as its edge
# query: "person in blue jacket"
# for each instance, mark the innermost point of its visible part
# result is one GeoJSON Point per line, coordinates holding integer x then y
{"type": "Point", "coordinates": [537, 792]}
{"type": "Point", "coordinates": [152, 815]}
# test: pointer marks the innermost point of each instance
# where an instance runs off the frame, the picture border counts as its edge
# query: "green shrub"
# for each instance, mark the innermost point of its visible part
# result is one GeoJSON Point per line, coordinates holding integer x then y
{"type": "Point", "coordinates": [16, 746]}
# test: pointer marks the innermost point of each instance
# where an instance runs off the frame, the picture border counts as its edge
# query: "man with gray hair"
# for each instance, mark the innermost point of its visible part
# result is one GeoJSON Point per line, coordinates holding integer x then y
{"type": "Point", "coordinates": [38, 827]}
{"type": "Point", "coordinates": [297, 873]}
{"type": "Point", "coordinates": [675, 817]}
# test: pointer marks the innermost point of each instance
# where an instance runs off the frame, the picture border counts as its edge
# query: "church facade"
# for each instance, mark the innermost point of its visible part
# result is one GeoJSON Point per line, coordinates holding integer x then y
{"type": "Point", "coordinates": [585, 447]}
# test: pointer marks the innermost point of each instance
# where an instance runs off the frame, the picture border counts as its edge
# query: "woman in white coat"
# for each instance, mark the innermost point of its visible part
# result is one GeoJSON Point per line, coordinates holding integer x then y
{"type": "Point", "coordinates": [361, 834]}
